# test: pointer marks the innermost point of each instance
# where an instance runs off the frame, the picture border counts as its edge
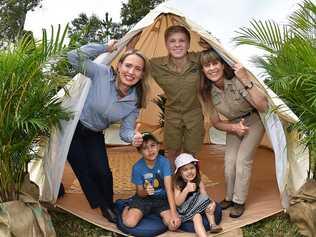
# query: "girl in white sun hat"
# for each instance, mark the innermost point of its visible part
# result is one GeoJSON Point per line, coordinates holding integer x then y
{"type": "Point", "coordinates": [191, 197]}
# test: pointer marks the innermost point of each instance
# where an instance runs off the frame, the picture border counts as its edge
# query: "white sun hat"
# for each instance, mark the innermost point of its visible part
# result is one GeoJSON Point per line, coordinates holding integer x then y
{"type": "Point", "coordinates": [184, 159]}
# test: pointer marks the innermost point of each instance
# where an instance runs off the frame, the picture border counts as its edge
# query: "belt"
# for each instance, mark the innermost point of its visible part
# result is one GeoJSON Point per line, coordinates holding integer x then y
{"type": "Point", "coordinates": [246, 114]}
{"type": "Point", "coordinates": [83, 128]}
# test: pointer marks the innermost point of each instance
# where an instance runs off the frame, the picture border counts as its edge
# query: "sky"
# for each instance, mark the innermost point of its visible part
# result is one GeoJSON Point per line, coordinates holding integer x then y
{"type": "Point", "coordinates": [220, 17]}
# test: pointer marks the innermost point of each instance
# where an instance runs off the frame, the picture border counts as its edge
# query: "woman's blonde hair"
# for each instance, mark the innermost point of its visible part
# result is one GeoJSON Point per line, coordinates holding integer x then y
{"type": "Point", "coordinates": [142, 85]}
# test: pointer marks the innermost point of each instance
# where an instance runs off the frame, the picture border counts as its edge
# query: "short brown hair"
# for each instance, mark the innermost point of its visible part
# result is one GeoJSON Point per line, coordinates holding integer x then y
{"type": "Point", "coordinates": [177, 29]}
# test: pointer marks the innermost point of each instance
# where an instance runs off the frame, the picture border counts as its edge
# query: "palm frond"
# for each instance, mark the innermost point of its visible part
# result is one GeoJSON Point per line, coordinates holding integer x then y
{"type": "Point", "coordinates": [290, 66]}
{"type": "Point", "coordinates": [266, 35]}
{"type": "Point", "coordinates": [161, 103]}
{"type": "Point", "coordinates": [303, 20]}
{"type": "Point", "coordinates": [27, 110]}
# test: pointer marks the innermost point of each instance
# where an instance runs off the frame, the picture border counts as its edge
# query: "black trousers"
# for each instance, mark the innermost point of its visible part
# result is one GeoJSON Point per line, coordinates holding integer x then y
{"type": "Point", "coordinates": [88, 159]}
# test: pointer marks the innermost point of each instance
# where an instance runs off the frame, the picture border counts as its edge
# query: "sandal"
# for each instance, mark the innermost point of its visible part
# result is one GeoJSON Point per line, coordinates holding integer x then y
{"type": "Point", "coordinates": [215, 228]}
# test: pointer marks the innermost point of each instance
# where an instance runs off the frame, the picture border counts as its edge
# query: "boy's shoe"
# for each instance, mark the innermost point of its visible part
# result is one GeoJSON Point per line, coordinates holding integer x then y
{"type": "Point", "coordinates": [109, 214]}
{"type": "Point", "coordinates": [215, 229]}
{"type": "Point", "coordinates": [226, 204]}
{"type": "Point", "coordinates": [237, 210]}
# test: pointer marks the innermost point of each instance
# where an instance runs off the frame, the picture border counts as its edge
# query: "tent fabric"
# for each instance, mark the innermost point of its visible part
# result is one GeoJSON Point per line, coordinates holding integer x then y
{"type": "Point", "coordinates": [148, 36]}
{"type": "Point", "coordinates": [302, 209]}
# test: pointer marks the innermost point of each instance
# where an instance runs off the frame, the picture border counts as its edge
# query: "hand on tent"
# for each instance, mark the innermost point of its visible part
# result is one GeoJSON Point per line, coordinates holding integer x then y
{"type": "Point", "coordinates": [138, 138]}
{"type": "Point", "coordinates": [240, 72]}
{"type": "Point", "coordinates": [240, 128]}
{"type": "Point", "coordinates": [112, 45]}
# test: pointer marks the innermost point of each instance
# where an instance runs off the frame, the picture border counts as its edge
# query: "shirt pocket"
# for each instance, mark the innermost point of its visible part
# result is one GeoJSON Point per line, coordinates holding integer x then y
{"type": "Point", "coordinates": [216, 99]}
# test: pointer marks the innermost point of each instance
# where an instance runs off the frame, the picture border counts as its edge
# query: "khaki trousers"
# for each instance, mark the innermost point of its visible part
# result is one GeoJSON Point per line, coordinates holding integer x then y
{"type": "Point", "coordinates": [239, 157]}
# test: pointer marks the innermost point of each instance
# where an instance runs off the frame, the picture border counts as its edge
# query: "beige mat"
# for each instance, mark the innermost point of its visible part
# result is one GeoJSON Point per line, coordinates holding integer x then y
{"type": "Point", "coordinates": [121, 164]}
{"type": "Point", "coordinates": [263, 201]}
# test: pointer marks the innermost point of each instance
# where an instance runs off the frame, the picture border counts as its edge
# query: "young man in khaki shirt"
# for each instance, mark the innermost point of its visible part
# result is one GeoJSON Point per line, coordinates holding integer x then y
{"type": "Point", "coordinates": [178, 75]}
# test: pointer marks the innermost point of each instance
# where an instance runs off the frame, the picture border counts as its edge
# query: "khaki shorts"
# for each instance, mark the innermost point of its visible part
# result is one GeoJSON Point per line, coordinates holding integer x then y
{"type": "Point", "coordinates": [184, 131]}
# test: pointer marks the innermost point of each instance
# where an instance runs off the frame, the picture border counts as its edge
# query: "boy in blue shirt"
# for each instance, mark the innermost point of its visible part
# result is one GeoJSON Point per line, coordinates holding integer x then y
{"type": "Point", "coordinates": [152, 176]}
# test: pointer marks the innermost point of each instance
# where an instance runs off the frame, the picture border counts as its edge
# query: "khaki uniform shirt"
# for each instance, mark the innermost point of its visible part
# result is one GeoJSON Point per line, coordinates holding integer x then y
{"type": "Point", "coordinates": [180, 88]}
{"type": "Point", "coordinates": [184, 127]}
{"type": "Point", "coordinates": [233, 101]}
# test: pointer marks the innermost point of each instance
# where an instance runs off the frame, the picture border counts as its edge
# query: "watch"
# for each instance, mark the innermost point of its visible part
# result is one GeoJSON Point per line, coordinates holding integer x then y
{"type": "Point", "coordinates": [248, 86]}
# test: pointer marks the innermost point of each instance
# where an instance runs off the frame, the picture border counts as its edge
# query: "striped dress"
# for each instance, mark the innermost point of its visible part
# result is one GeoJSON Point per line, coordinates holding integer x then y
{"type": "Point", "coordinates": [195, 203]}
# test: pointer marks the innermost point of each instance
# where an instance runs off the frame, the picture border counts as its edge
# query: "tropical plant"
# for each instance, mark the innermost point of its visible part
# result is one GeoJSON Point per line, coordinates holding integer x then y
{"type": "Point", "coordinates": [290, 66]}
{"type": "Point", "coordinates": [160, 101]}
{"type": "Point", "coordinates": [28, 108]}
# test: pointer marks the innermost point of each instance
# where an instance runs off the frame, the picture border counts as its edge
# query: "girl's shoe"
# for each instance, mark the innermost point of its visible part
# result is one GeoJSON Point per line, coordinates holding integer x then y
{"type": "Point", "coordinates": [215, 229]}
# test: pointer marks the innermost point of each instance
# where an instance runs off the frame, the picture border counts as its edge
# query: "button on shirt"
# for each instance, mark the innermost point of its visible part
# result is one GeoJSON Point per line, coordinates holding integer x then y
{"type": "Point", "coordinates": [103, 105]}
{"type": "Point", "coordinates": [180, 88]}
{"type": "Point", "coordinates": [232, 102]}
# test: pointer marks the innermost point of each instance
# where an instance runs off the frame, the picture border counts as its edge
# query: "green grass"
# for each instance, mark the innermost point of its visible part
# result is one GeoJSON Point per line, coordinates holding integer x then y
{"type": "Point", "coordinates": [68, 225]}
{"type": "Point", "coordinates": [275, 226]}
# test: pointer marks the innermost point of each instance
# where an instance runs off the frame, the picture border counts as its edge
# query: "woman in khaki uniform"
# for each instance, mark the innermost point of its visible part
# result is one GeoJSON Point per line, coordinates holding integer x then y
{"type": "Point", "coordinates": [230, 92]}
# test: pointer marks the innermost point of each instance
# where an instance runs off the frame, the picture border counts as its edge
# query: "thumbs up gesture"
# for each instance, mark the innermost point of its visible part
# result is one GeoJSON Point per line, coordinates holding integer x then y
{"type": "Point", "coordinates": [138, 138]}
{"type": "Point", "coordinates": [240, 128]}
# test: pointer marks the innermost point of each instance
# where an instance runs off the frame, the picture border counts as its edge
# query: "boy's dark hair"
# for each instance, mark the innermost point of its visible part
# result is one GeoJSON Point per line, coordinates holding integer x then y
{"type": "Point", "coordinates": [147, 136]}
{"type": "Point", "coordinates": [177, 29]}
{"type": "Point", "coordinates": [180, 183]}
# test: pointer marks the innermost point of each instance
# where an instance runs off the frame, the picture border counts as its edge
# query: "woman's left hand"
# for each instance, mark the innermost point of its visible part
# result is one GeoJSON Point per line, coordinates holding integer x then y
{"type": "Point", "coordinates": [138, 138]}
{"type": "Point", "coordinates": [240, 71]}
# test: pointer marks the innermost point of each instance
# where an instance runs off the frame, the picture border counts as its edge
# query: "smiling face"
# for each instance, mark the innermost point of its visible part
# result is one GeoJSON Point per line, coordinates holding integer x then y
{"type": "Point", "coordinates": [177, 45]}
{"type": "Point", "coordinates": [188, 172]}
{"type": "Point", "coordinates": [130, 70]}
{"type": "Point", "coordinates": [214, 71]}
{"type": "Point", "coordinates": [149, 150]}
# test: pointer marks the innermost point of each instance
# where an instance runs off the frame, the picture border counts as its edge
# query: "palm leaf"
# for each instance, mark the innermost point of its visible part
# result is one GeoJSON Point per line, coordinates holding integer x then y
{"type": "Point", "coordinates": [290, 66]}
{"type": "Point", "coordinates": [28, 83]}
{"type": "Point", "coordinates": [266, 35]}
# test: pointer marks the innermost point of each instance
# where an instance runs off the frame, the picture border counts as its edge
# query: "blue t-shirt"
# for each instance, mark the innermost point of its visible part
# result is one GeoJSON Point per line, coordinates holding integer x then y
{"type": "Point", "coordinates": [141, 173]}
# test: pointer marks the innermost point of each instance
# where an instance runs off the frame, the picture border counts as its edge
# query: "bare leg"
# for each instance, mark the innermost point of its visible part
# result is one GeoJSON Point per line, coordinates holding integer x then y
{"type": "Point", "coordinates": [131, 217]}
{"type": "Point", "coordinates": [198, 225]}
{"type": "Point", "coordinates": [211, 218]}
{"type": "Point", "coordinates": [210, 213]}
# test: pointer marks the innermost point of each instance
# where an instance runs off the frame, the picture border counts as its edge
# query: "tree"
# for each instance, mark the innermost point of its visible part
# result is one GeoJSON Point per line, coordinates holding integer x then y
{"type": "Point", "coordinates": [290, 66]}
{"type": "Point", "coordinates": [135, 10]}
{"type": "Point", "coordinates": [84, 29]}
{"type": "Point", "coordinates": [12, 17]}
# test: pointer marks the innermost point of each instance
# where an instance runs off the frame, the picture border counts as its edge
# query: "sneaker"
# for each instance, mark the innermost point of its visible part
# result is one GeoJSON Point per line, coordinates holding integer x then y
{"type": "Point", "coordinates": [215, 229]}
{"type": "Point", "coordinates": [237, 210]}
{"type": "Point", "coordinates": [226, 204]}
{"type": "Point", "coordinates": [109, 214]}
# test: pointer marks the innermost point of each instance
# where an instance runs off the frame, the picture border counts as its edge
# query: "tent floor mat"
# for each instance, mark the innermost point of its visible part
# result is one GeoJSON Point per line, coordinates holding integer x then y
{"type": "Point", "coordinates": [263, 199]}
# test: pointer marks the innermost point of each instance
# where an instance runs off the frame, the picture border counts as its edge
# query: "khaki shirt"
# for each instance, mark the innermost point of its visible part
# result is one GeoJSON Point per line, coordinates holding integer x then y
{"type": "Point", "coordinates": [180, 88]}
{"type": "Point", "coordinates": [233, 101]}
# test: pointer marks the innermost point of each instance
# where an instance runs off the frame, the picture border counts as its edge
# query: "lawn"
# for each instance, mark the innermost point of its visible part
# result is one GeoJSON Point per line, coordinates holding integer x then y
{"type": "Point", "coordinates": [68, 225]}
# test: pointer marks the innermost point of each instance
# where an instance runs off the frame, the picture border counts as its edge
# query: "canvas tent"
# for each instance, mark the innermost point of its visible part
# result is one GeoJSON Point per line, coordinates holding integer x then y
{"type": "Point", "coordinates": [291, 160]}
